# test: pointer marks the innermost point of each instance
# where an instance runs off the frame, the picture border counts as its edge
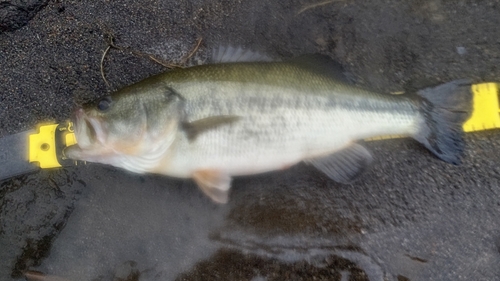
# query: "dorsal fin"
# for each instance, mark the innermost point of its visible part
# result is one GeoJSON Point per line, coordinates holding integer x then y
{"type": "Point", "coordinates": [323, 65]}
{"type": "Point", "coordinates": [228, 54]}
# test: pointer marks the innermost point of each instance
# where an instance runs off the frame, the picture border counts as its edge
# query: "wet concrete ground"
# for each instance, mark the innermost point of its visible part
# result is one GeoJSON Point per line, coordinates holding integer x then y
{"type": "Point", "coordinates": [411, 217]}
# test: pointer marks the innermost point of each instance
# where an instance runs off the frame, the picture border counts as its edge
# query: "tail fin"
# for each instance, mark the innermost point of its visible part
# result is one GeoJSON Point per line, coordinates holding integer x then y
{"type": "Point", "coordinates": [445, 108]}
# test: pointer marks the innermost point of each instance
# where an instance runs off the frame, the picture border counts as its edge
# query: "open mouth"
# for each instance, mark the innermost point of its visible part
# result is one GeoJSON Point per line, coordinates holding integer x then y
{"type": "Point", "coordinates": [85, 128]}
{"type": "Point", "coordinates": [91, 133]}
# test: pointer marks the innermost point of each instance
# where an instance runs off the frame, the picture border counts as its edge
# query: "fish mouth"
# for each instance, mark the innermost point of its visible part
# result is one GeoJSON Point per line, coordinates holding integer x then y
{"type": "Point", "coordinates": [88, 130]}
{"type": "Point", "coordinates": [90, 137]}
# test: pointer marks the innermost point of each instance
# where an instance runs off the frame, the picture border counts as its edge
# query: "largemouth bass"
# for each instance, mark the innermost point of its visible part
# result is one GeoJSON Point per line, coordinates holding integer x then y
{"type": "Point", "coordinates": [216, 121]}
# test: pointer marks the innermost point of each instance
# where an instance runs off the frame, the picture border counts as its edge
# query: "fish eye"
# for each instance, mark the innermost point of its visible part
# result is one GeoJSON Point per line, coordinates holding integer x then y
{"type": "Point", "coordinates": [104, 103]}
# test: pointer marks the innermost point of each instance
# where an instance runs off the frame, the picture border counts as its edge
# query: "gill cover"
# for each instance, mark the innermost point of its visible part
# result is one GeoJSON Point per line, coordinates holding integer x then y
{"type": "Point", "coordinates": [132, 121]}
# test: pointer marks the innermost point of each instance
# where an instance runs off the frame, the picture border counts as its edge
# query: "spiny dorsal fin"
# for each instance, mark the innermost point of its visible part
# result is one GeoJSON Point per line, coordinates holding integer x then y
{"type": "Point", "coordinates": [228, 54]}
{"type": "Point", "coordinates": [193, 129]}
{"type": "Point", "coordinates": [323, 65]}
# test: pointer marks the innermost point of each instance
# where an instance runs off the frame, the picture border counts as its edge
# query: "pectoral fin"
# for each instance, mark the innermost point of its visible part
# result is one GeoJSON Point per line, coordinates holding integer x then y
{"type": "Point", "coordinates": [345, 165]}
{"type": "Point", "coordinates": [214, 184]}
{"type": "Point", "coordinates": [193, 129]}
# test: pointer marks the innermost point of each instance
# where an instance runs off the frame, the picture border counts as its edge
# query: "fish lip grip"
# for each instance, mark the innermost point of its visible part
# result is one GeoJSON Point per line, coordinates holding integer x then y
{"type": "Point", "coordinates": [47, 144]}
{"type": "Point", "coordinates": [486, 108]}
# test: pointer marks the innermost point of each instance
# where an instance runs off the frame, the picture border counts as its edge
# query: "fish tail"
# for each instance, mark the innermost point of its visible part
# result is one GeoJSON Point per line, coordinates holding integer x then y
{"type": "Point", "coordinates": [444, 109]}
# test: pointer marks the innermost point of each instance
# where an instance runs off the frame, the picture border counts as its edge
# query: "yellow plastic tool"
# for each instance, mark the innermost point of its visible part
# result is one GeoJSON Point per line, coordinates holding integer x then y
{"type": "Point", "coordinates": [45, 145]}
{"type": "Point", "coordinates": [69, 137]}
{"type": "Point", "coordinates": [42, 147]}
{"type": "Point", "coordinates": [486, 113]}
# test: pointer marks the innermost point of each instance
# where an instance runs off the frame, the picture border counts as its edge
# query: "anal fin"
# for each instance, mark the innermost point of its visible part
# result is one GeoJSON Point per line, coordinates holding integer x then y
{"type": "Point", "coordinates": [214, 184]}
{"type": "Point", "coordinates": [345, 165]}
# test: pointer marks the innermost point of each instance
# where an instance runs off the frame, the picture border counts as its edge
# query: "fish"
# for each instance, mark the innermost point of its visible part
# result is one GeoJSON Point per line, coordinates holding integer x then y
{"type": "Point", "coordinates": [246, 114]}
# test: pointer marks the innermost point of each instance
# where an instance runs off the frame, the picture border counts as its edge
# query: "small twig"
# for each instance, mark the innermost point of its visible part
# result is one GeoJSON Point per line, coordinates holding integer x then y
{"type": "Point", "coordinates": [158, 61]}
{"type": "Point", "coordinates": [111, 44]}
{"type": "Point", "coordinates": [193, 51]}
{"type": "Point", "coordinates": [145, 55]}
{"type": "Point", "coordinates": [102, 65]}
{"type": "Point", "coordinates": [311, 6]}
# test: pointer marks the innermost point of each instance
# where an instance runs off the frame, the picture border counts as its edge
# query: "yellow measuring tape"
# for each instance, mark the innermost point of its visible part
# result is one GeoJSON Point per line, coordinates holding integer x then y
{"type": "Point", "coordinates": [486, 114]}
{"type": "Point", "coordinates": [44, 146]}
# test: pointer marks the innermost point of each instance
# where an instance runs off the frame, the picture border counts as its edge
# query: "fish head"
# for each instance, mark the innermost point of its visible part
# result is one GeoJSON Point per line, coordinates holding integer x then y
{"type": "Point", "coordinates": [131, 122]}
